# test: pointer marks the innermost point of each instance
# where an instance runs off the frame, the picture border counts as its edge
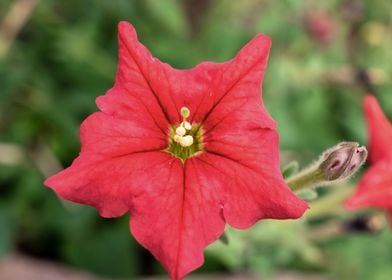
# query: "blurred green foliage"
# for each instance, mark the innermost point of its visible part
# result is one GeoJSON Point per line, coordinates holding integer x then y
{"type": "Point", "coordinates": [325, 57]}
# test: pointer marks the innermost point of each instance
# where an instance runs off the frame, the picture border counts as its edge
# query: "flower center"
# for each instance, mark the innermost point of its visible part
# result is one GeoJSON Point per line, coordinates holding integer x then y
{"type": "Point", "coordinates": [185, 139]}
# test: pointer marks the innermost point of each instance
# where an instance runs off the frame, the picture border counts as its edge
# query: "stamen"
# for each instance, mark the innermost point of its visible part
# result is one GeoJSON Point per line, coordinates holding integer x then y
{"type": "Point", "coordinates": [177, 138]}
{"type": "Point", "coordinates": [185, 138]}
{"type": "Point", "coordinates": [180, 131]}
{"type": "Point", "coordinates": [187, 125]}
{"type": "Point", "coordinates": [186, 141]}
{"type": "Point", "coordinates": [184, 128]}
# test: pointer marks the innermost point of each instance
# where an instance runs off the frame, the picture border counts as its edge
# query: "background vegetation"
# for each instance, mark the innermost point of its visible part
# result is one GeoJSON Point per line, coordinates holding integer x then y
{"type": "Point", "coordinates": [326, 55]}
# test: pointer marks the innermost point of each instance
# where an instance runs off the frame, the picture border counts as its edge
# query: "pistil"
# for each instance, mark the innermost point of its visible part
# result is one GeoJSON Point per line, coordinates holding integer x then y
{"type": "Point", "coordinates": [181, 136]}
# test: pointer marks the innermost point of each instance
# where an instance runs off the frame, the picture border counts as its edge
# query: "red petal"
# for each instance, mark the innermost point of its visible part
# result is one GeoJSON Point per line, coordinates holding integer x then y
{"type": "Point", "coordinates": [107, 184]}
{"type": "Point", "coordinates": [108, 136]}
{"type": "Point", "coordinates": [139, 93]}
{"type": "Point", "coordinates": [235, 93]}
{"type": "Point", "coordinates": [216, 91]}
{"type": "Point", "coordinates": [374, 189]}
{"type": "Point", "coordinates": [242, 145]}
{"type": "Point", "coordinates": [109, 147]}
{"type": "Point", "coordinates": [183, 216]}
{"type": "Point", "coordinates": [250, 176]}
{"type": "Point", "coordinates": [380, 129]}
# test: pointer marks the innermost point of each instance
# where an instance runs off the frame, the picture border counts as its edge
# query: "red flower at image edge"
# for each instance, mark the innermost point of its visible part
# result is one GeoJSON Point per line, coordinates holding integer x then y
{"type": "Point", "coordinates": [183, 151]}
{"type": "Point", "coordinates": [375, 187]}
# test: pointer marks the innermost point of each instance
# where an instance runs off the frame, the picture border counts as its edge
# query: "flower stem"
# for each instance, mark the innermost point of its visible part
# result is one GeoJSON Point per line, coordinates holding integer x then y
{"type": "Point", "coordinates": [306, 179]}
{"type": "Point", "coordinates": [331, 203]}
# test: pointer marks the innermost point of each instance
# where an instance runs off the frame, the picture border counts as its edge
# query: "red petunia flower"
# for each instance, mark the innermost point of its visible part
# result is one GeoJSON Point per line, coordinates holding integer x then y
{"type": "Point", "coordinates": [375, 187]}
{"type": "Point", "coordinates": [183, 151]}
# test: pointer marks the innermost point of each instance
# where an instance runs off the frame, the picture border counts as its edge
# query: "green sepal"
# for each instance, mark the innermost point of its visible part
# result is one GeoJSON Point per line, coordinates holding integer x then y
{"type": "Point", "coordinates": [308, 195]}
{"type": "Point", "coordinates": [290, 169]}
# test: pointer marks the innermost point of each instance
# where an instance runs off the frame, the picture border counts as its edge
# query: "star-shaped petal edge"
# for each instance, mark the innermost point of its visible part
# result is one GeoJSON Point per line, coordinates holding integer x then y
{"type": "Point", "coordinates": [179, 207]}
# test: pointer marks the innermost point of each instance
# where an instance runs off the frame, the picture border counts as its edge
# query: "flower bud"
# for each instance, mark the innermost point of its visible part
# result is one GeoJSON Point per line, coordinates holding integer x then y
{"type": "Point", "coordinates": [336, 163]}
{"type": "Point", "coordinates": [342, 160]}
{"type": "Point", "coordinates": [321, 26]}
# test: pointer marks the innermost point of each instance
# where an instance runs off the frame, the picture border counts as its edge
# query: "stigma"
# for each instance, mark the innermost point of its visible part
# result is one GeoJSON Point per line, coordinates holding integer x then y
{"type": "Point", "coordinates": [182, 133]}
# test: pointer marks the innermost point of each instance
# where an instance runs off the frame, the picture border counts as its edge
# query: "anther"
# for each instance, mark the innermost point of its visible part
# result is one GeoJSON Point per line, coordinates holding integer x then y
{"type": "Point", "coordinates": [177, 138]}
{"type": "Point", "coordinates": [180, 131]}
{"type": "Point", "coordinates": [186, 141]}
{"type": "Point", "coordinates": [187, 125]}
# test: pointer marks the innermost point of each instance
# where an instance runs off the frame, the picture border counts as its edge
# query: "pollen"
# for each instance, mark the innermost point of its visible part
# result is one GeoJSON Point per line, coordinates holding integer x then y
{"type": "Point", "coordinates": [177, 138]}
{"type": "Point", "coordinates": [186, 141]}
{"type": "Point", "coordinates": [181, 131]}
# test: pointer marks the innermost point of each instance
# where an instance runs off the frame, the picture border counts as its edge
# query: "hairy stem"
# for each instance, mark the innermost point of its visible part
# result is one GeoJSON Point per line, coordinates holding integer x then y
{"type": "Point", "coordinates": [306, 179]}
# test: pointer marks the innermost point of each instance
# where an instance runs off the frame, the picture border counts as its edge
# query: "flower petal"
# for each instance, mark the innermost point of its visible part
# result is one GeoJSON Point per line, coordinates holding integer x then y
{"type": "Point", "coordinates": [108, 136]}
{"type": "Point", "coordinates": [235, 93]}
{"type": "Point", "coordinates": [252, 182]}
{"type": "Point", "coordinates": [111, 148]}
{"type": "Point", "coordinates": [107, 184]}
{"type": "Point", "coordinates": [380, 129]}
{"type": "Point", "coordinates": [374, 189]}
{"type": "Point", "coordinates": [183, 216]}
{"type": "Point", "coordinates": [138, 92]}
{"type": "Point", "coordinates": [215, 91]}
{"type": "Point", "coordinates": [199, 198]}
